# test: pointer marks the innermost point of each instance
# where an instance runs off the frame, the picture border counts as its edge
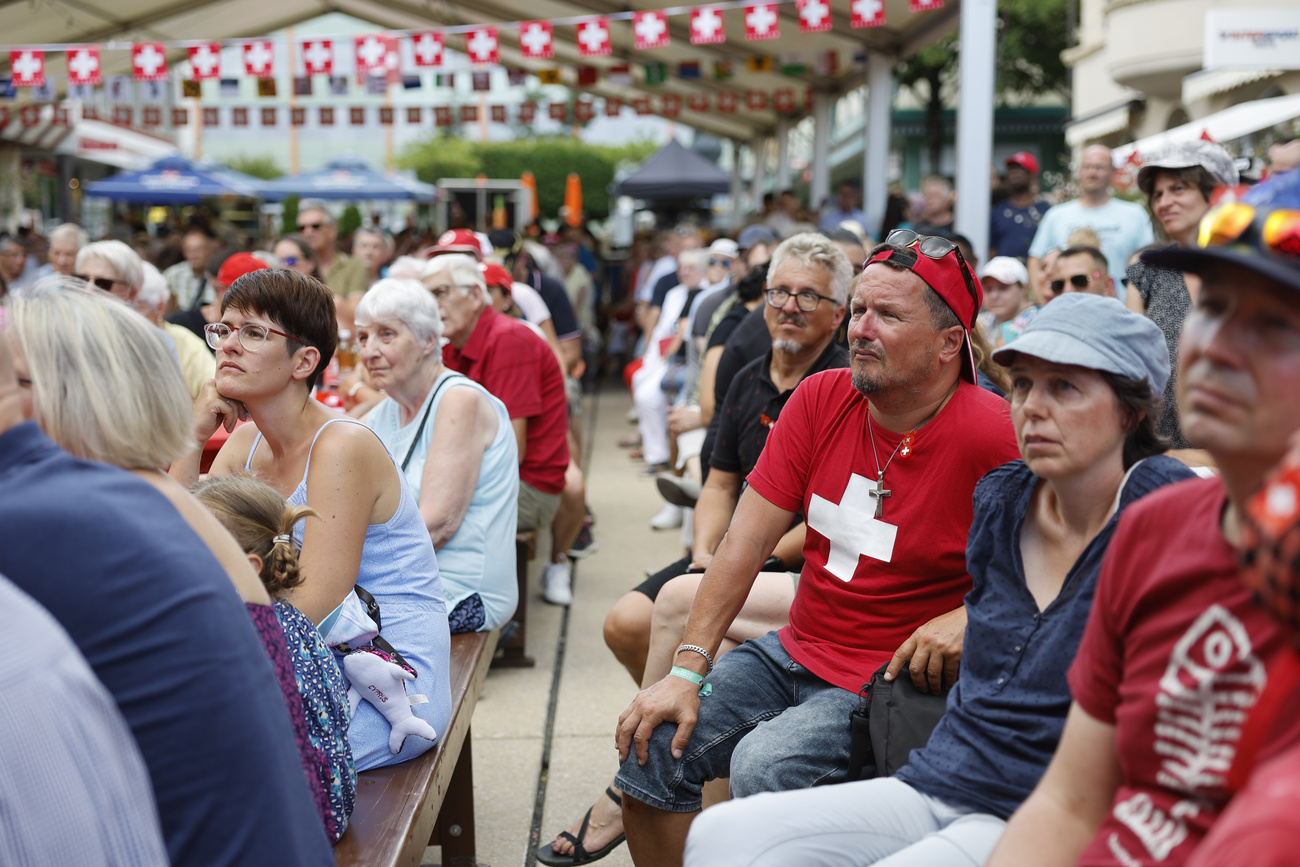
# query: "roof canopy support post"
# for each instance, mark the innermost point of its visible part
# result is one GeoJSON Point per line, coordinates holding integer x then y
{"type": "Point", "coordinates": [875, 149]}
{"type": "Point", "coordinates": [737, 212]}
{"type": "Point", "coordinates": [782, 155]}
{"type": "Point", "coordinates": [821, 170]}
{"type": "Point", "coordinates": [979, 20]}
{"type": "Point", "coordinates": [759, 147]}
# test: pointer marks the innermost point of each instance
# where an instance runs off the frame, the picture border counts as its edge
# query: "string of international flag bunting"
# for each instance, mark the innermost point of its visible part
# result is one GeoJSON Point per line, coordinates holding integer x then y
{"type": "Point", "coordinates": [377, 60]}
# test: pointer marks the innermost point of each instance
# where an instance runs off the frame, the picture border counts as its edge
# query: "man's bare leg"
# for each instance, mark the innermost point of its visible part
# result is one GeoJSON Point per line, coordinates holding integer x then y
{"type": "Point", "coordinates": [656, 838]}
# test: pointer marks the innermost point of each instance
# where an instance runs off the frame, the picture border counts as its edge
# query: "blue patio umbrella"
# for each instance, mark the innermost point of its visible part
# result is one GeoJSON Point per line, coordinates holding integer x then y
{"type": "Point", "coordinates": [172, 181]}
{"type": "Point", "coordinates": [348, 178]}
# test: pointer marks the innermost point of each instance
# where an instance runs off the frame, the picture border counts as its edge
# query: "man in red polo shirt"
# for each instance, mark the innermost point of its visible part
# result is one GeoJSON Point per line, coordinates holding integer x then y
{"type": "Point", "coordinates": [510, 360]}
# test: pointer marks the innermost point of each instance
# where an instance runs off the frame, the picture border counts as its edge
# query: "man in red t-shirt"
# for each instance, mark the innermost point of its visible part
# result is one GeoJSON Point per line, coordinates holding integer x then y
{"type": "Point", "coordinates": [1176, 651]}
{"type": "Point", "coordinates": [883, 461]}
{"type": "Point", "coordinates": [513, 362]}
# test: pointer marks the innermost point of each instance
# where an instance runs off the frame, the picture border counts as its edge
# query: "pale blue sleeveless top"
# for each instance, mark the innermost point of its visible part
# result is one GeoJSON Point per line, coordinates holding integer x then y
{"type": "Point", "coordinates": [398, 568]}
{"type": "Point", "coordinates": [480, 558]}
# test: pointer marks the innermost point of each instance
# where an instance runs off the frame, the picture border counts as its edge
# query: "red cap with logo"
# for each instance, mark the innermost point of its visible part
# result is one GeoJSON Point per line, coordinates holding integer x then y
{"type": "Point", "coordinates": [495, 275]}
{"type": "Point", "coordinates": [457, 241]}
{"type": "Point", "coordinates": [238, 265]}
{"type": "Point", "coordinates": [1025, 160]}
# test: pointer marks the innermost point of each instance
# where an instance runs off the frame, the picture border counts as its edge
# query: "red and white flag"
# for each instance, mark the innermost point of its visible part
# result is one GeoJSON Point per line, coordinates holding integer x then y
{"type": "Point", "coordinates": [427, 48]}
{"type": "Point", "coordinates": [83, 65]}
{"type": "Point", "coordinates": [783, 99]}
{"type": "Point", "coordinates": [613, 106]}
{"type": "Point", "coordinates": [707, 27]}
{"type": "Point", "coordinates": [756, 100]}
{"type": "Point", "coordinates": [536, 40]}
{"type": "Point", "coordinates": [318, 57]}
{"type": "Point", "coordinates": [924, 5]}
{"type": "Point", "coordinates": [867, 13]}
{"type": "Point", "coordinates": [650, 30]}
{"type": "Point", "coordinates": [727, 101]}
{"type": "Point", "coordinates": [814, 15]}
{"type": "Point", "coordinates": [762, 22]}
{"type": "Point", "coordinates": [670, 105]}
{"type": "Point", "coordinates": [698, 102]}
{"type": "Point", "coordinates": [148, 61]}
{"type": "Point", "coordinates": [483, 46]}
{"type": "Point", "coordinates": [593, 38]}
{"type": "Point", "coordinates": [28, 67]}
{"type": "Point", "coordinates": [259, 58]}
{"type": "Point", "coordinates": [205, 61]}
{"type": "Point", "coordinates": [372, 54]}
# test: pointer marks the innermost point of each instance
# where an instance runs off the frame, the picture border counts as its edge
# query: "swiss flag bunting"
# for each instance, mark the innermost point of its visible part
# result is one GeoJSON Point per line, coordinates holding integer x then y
{"type": "Point", "coordinates": [149, 61]}
{"type": "Point", "coordinates": [762, 22]}
{"type": "Point", "coordinates": [649, 30]}
{"type": "Point", "coordinates": [427, 48]}
{"type": "Point", "coordinates": [318, 57]}
{"type": "Point", "coordinates": [756, 100]}
{"type": "Point", "coordinates": [583, 110]}
{"type": "Point", "coordinates": [924, 5]}
{"type": "Point", "coordinates": [259, 58]}
{"type": "Point", "coordinates": [706, 26]}
{"type": "Point", "coordinates": [867, 13]}
{"type": "Point", "coordinates": [613, 106]}
{"type": "Point", "coordinates": [814, 15]}
{"type": "Point", "coordinates": [593, 38]}
{"type": "Point", "coordinates": [205, 61]}
{"type": "Point", "coordinates": [641, 104]}
{"type": "Point", "coordinates": [483, 46]}
{"type": "Point", "coordinates": [670, 105]}
{"type": "Point", "coordinates": [698, 102]}
{"type": "Point", "coordinates": [536, 40]}
{"type": "Point", "coordinates": [30, 115]}
{"type": "Point", "coordinates": [83, 65]}
{"type": "Point", "coordinates": [27, 67]}
{"type": "Point", "coordinates": [783, 99]}
{"type": "Point", "coordinates": [727, 100]}
{"type": "Point", "coordinates": [372, 54]}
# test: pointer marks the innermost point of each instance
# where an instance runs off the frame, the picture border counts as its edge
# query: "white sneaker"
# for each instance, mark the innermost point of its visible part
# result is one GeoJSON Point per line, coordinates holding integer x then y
{"type": "Point", "coordinates": [556, 582]}
{"type": "Point", "coordinates": [669, 518]}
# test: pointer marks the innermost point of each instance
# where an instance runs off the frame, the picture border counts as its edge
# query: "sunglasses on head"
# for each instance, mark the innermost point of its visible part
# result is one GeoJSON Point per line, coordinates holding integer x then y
{"type": "Point", "coordinates": [1279, 229]}
{"type": "Point", "coordinates": [302, 227]}
{"type": "Point", "coordinates": [1078, 281]}
{"type": "Point", "coordinates": [99, 282]}
{"type": "Point", "coordinates": [934, 247]}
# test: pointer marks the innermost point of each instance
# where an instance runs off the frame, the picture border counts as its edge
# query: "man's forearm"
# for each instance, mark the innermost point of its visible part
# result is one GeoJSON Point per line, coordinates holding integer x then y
{"type": "Point", "coordinates": [713, 513]}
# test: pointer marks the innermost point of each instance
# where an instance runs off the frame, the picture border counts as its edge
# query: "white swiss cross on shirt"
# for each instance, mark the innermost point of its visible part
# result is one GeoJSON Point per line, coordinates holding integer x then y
{"type": "Point", "coordinates": [852, 528]}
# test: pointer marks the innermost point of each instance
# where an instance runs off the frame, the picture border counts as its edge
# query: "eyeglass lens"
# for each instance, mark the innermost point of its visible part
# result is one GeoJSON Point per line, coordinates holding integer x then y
{"type": "Point", "coordinates": [251, 337]}
{"type": "Point", "coordinates": [302, 227]}
{"type": "Point", "coordinates": [805, 301]}
{"type": "Point", "coordinates": [98, 282]}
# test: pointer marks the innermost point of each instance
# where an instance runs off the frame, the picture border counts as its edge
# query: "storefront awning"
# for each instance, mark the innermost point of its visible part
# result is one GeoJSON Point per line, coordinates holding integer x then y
{"type": "Point", "coordinates": [1208, 82]}
{"type": "Point", "coordinates": [1224, 126]}
{"type": "Point", "coordinates": [1099, 124]}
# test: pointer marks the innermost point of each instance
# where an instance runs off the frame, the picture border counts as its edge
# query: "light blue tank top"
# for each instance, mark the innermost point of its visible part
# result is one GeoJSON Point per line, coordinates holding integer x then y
{"type": "Point", "coordinates": [480, 558]}
{"type": "Point", "coordinates": [398, 568]}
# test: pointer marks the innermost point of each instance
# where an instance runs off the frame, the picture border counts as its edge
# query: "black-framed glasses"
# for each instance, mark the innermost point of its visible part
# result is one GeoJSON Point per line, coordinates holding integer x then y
{"type": "Point", "coordinates": [441, 291]}
{"type": "Point", "coordinates": [100, 282]}
{"type": "Point", "coordinates": [806, 301]}
{"type": "Point", "coordinates": [936, 247]}
{"type": "Point", "coordinates": [251, 337]}
{"type": "Point", "coordinates": [1078, 281]}
{"type": "Point", "coordinates": [302, 227]}
{"type": "Point", "coordinates": [24, 382]}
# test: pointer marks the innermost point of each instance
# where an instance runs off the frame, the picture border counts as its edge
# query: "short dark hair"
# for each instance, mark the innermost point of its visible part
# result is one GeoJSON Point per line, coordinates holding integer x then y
{"type": "Point", "coordinates": [1141, 409]}
{"type": "Point", "coordinates": [299, 304]}
{"type": "Point", "coordinates": [303, 247]}
{"type": "Point", "coordinates": [942, 316]}
{"type": "Point", "coordinates": [1098, 257]}
{"type": "Point", "coordinates": [751, 286]}
{"type": "Point", "coordinates": [1193, 176]}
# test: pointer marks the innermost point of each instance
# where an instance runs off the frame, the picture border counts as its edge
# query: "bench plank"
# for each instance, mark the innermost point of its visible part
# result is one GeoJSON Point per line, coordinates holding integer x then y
{"type": "Point", "coordinates": [397, 806]}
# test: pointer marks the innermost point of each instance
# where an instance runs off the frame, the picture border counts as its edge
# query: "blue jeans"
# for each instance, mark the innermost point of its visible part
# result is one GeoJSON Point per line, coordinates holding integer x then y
{"type": "Point", "coordinates": [770, 725]}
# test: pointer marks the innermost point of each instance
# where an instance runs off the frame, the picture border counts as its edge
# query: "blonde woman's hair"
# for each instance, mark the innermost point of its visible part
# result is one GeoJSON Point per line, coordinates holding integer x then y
{"type": "Point", "coordinates": [105, 384]}
{"type": "Point", "coordinates": [261, 522]}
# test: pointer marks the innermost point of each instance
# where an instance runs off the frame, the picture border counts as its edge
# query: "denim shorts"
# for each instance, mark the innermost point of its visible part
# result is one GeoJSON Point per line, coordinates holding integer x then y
{"type": "Point", "coordinates": [769, 724]}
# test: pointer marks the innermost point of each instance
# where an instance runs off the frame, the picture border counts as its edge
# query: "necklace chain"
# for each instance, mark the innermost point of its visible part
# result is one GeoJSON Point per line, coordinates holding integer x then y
{"type": "Point", "coordinates": [880, 474]}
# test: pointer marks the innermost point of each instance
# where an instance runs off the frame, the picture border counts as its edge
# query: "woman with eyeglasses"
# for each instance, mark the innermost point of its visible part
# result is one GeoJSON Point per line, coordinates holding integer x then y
{"type": "Point", "coordinates": [277, 333]}
{"type": "Point", "coordinates": [1179, 183]}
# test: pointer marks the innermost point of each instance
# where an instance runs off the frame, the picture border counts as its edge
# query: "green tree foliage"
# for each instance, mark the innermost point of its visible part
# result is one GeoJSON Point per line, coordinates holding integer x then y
{"type": "Point", "coordinates": [1031, 36]}
{"type": "Point", "coordinates": [349, 221]}
{"type": "Point", "coordinates": [549, 158]}
{"type": "Point", "coordinates": [289, 217]}
{"type": "Point", "coordinates": [263, 167]}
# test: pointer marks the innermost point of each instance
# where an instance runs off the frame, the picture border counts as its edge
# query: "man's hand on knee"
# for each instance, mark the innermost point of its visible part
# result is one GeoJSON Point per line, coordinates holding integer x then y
{"type": "Point", "coordinates": [672, 699]}
{"type": "Point", "coordinates": [933, 653]}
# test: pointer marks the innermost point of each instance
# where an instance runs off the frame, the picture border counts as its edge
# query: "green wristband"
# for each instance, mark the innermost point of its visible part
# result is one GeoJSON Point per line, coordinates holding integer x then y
{"type": "Point", "coordinates": [687, 674]}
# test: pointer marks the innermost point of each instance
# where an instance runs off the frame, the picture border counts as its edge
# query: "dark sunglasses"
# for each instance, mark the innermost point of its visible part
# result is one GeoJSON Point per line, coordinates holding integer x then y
{"type": "Point", "coordinates": [290, 261]}
{"type": "Point", "coordinates": [726, 262]}
{"type": "Point", "coordinates": [1078, 281]}
{"type": "Point", "coordinates": [302, 227]}
{"type": "Point", "coordinates": [99, 282]}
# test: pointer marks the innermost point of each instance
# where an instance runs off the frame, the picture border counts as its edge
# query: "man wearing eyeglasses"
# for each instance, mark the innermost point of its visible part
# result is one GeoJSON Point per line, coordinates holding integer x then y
{"type": "Point", "coordinates": [340, 272]}
{"type": "Point", "coordinates": [1081, 269]}
{"type": "Point", "coordinates": [882, 459]}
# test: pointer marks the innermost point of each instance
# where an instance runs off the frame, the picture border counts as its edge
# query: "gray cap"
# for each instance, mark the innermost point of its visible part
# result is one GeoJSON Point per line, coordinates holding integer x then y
{"type": "Point", "coordinates": [1096, 332]}
{"type": "Point", "coordinates": [1183, 155]}
{"type": "Point", "coordinates": [755, 234]}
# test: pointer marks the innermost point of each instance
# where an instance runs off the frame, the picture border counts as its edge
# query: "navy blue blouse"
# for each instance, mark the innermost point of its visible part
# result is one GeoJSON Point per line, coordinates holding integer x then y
{"type": "Point", "coordinates": [1006, 712]}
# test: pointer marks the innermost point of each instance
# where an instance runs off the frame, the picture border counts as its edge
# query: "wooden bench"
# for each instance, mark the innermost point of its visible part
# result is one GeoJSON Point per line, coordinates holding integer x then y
{"type": "Point", "coordinates": [513, 655]}
{"type": "Point", "coordinates": [429, 800]}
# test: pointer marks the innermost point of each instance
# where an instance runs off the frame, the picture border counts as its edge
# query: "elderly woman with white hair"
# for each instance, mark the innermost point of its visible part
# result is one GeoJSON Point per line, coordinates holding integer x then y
{"type": "Point", "coordinates": [113, 267]}
{"type": "Point", "coordinates": [196, 361]}
{"type": "Point", "coordinates": [456, 446]}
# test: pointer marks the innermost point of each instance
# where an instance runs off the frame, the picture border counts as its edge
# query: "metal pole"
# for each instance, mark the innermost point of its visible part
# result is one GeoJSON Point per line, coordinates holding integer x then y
{"type": "Point", "coordinates": [875, 149]}
{"type": "Point", "coordinates": [821, 169]}
{"type": "Point", "coordinates": [760, 172]}
{"type": "Point", "coordinates": [975, 120]}
{"type": "Point", "coordinates": [782, 155]}
{"type": "Point", "coordinates": [735, 185]}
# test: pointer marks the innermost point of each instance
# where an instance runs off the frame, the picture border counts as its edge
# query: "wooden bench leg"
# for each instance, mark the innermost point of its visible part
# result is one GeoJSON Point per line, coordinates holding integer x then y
{"type": "Point", "coordinates": [454, 830]}
{"type": "Point", "coordinates": [513, 655]}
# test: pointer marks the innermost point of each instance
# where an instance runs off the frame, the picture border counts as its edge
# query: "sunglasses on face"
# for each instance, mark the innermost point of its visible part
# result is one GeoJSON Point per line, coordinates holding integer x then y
{"type": "Point", "coordinates": [1078, 281]}
{"type": "Point", "coordinates": [100, 282]}
{"type": "Point", "coordinates": [302, 227]}
{"type": "Point", "coordinates": [720, 262]}
{"type": "Point", "coordinates": [290, 261]}
{"type": "Point", "coordinates": [1279, 229]}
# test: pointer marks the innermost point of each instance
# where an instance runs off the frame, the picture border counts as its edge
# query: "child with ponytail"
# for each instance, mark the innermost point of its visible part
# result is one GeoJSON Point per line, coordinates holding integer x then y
{"type": "Point", "coordinates": [262, 523]}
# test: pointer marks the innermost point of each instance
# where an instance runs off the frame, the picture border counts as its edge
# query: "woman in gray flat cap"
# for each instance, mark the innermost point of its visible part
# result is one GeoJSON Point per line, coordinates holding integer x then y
{"type": "Point", "coordinates": [1178, 182]}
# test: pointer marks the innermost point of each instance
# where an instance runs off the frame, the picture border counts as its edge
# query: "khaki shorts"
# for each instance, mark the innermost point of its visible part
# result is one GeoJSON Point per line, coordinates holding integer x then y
{"type": "Point", "coordinates": [536, 509]}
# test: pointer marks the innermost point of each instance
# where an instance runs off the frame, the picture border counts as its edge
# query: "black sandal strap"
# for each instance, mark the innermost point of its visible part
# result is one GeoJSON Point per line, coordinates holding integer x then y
{"type": "Point", "coordinates": [614, 796]}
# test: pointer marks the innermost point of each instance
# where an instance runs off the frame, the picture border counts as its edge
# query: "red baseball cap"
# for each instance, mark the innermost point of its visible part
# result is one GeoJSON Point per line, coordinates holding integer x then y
{"type": "Point", "coordinates": [1025, 160]}
{"type": "Point", "coordinates": [952, 279]}
{"type": "Point", "coordinates": [238, 265]}
{"type": "Point", "coordinates": [456, 241]}
{"type": "Point", "coordinates": [495, 275]}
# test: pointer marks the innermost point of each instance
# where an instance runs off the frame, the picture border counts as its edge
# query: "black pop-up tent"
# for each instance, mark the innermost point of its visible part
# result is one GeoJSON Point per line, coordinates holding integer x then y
{"type": "Point", "coordinates": [675, 173]}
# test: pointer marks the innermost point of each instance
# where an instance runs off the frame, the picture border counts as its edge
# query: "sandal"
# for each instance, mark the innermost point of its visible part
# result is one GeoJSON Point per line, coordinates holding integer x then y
{"type": "Point", "coordinates": [547, 855]}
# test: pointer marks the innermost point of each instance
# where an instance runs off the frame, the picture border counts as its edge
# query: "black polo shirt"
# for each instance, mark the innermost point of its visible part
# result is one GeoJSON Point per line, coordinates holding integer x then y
{"type": "Point", "coordinates": [752, 406]}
